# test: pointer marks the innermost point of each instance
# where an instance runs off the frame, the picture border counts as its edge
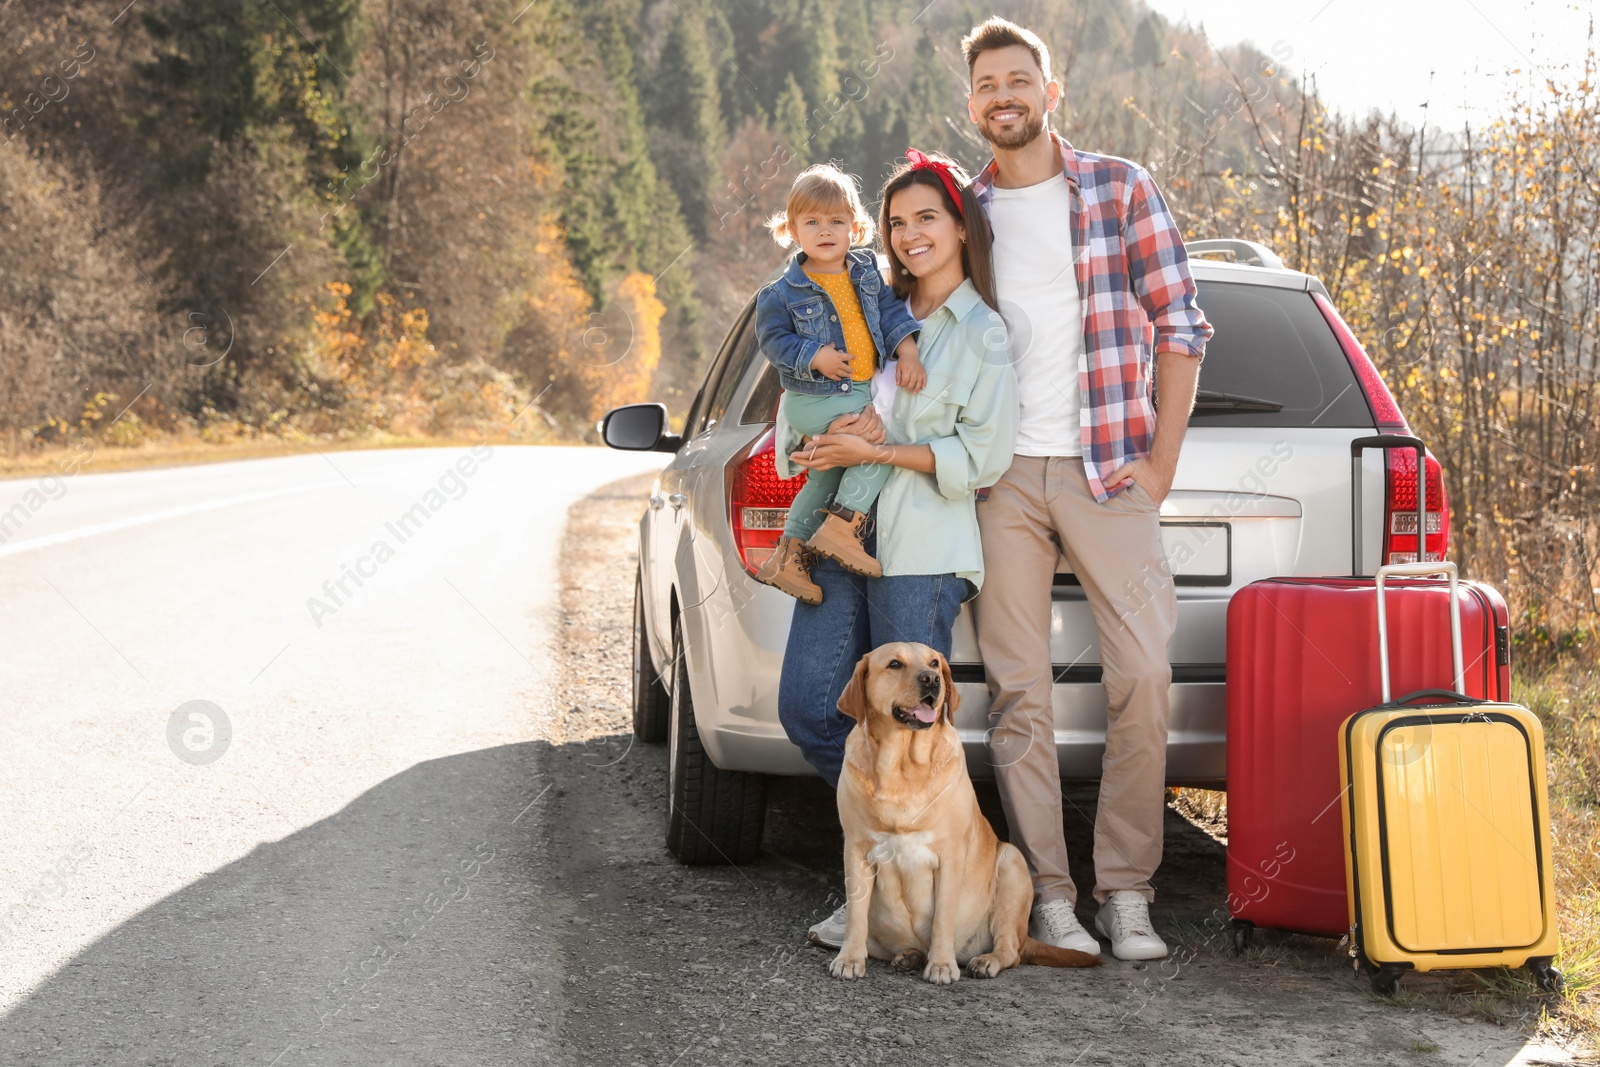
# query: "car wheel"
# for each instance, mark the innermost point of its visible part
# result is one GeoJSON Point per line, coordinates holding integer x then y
{"type": "Point", "coordinates": [713, 816]}
{"type": "Point", "coordinates": [650, 707]}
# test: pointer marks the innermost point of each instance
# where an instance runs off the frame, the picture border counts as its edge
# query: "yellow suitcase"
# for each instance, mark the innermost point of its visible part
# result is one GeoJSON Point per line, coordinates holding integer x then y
{"type": "Point", "coordinates": [1447, 828]}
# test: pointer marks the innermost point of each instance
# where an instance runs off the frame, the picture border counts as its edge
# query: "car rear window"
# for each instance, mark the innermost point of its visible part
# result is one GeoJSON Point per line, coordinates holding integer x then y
{"type": "Point", "coordinates": [1273, 344]}
{"type": "Point", "coordinates": [762, 407]}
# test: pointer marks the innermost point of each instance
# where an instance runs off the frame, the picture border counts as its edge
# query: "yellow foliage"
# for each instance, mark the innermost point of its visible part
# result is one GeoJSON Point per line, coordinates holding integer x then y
{"type": "Point", "coordinates": [1470, 280]}
{"type": "Point", "coordinates": [391, 378]}
{"type": "Point", "coordinates": [619, 363]}
{"type": "Point", "coordinates": [583, 359]}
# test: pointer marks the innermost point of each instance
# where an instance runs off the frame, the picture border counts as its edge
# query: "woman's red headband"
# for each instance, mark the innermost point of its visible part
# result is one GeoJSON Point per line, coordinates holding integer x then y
{"type": "Point", "coordinates": [919, 161]}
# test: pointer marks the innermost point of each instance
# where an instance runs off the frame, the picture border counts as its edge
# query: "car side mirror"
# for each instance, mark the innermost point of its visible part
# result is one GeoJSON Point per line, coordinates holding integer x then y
{"type": "Point", "coordinates": [639, 428]}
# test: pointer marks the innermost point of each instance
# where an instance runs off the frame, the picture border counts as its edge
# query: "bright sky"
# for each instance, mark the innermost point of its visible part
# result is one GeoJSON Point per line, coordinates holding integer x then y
{"type": "Point", "coordinates": [1400, 54]}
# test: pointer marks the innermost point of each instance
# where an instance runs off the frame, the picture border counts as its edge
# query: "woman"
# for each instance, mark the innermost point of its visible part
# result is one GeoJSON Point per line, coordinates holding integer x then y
{"type": "Point", "coordinates": [943, 444]}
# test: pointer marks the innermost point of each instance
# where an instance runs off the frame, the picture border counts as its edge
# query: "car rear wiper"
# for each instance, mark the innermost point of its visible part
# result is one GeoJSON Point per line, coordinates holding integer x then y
{"type": "Point", "coordinates": [1210, 400]}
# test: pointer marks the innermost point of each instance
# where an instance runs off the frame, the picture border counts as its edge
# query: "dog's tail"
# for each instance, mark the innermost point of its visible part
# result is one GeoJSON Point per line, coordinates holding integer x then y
{"type": "Point", "coordinates": [1037, 952]}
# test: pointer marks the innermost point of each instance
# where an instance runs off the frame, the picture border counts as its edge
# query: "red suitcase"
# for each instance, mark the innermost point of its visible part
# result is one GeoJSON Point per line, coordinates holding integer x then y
{"type": "Point", "coordinates": [1301, 659]}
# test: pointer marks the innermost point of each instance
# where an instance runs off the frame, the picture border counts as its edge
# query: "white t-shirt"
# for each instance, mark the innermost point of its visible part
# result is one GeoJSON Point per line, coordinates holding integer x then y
{"type": "Point", "coordinates": [1038, 289]}
{"type": "Point", "coordinates": [883, 381]}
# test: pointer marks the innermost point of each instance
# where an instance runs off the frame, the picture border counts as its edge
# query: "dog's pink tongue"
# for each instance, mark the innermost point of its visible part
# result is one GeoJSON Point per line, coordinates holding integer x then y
{"type": "Point", "coordinates": [924, 712]}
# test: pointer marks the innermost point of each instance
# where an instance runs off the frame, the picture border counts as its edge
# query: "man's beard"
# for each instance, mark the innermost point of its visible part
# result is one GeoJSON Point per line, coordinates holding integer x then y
{"type": "Point", "coordinates": [1021, 135]}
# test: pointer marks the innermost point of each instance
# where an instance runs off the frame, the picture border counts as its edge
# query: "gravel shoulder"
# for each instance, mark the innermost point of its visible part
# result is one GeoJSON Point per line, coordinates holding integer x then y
{"type": "Point", "coordinates": [664, 964]}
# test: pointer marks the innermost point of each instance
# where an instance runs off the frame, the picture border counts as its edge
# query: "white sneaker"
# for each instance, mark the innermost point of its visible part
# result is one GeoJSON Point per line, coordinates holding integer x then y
{"type": "Point", "coordinates": [1054, 923]}
{"type": "Point", "coordinates": [829, 933]}
{"type": "Point", "coordinates": [1125, 919]}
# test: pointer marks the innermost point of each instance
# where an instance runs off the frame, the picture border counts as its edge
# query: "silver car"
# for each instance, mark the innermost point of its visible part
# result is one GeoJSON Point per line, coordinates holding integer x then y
{"type": "Point", "coordinates": [1263, 489]}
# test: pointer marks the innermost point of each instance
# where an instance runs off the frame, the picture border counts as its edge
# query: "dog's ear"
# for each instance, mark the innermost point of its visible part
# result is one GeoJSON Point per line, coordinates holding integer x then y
{"type": "Point", "coordinates": [853, 701]}
{"type": "Point", "coordinates": [952, 699]}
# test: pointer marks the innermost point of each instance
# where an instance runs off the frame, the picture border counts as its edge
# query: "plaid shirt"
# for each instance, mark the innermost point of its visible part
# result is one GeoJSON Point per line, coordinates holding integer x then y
{"type": "Point", "coordinates": [1133, 282]}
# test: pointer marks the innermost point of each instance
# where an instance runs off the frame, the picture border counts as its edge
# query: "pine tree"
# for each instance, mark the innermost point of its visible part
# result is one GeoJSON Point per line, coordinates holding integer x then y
{"type": "Point", "coordinates": [789, 118]}
{"type": "Point", "coordinates": [687, 131]}
{"type": "Point", "coordinates": [924, 101]}
{"type": "Point", "coordinates": [848, 128]}
{"type": "Point", "coordinates": [224, 74]}
{"type": "Point", "coordinates": [236, 71]}
{"type": "Point", "coordinates": [1147, 51]}
{"type": "Point", "coordinates": [816, 71]}
{"type": "Point", "coordinates": [738, 98]}
{"type": "Point", "coordinates": [617, 213]}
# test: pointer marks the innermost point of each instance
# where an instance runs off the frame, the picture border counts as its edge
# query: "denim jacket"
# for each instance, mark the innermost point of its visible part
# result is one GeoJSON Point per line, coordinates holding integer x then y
{"type": "Point", "coordinates": [795, 318]}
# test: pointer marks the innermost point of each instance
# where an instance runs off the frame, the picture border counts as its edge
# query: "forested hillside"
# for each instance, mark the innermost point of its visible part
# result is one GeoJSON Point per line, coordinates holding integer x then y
{"type": "Point", "coordinates": [237, 218]}
{"type": "Point", "coordinates": [415, 213]}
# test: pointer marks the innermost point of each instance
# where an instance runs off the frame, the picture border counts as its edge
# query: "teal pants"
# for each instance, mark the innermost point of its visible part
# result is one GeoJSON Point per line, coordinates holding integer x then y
{"type": "Point", "coordinates": [855, 488]}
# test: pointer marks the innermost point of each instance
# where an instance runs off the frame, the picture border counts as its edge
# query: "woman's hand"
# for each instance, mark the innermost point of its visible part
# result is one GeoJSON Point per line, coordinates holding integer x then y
{"type": "Point", "coordinates": [830, 450]}
{"type": "Point", "coordinates": [864, 424]}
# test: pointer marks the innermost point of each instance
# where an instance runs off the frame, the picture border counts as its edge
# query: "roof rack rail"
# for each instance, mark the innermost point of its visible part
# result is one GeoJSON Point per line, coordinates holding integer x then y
{"type": "Point", "coordinates": [1250, 253]}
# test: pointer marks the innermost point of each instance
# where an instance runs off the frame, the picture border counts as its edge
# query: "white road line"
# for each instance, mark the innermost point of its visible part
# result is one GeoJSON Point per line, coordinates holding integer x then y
{"type": "Point", "coordinates": [140, 520]}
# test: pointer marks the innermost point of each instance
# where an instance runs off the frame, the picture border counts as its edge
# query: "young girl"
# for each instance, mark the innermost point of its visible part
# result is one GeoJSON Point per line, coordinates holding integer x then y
{"type": "Point", "coordinates": [825, 324]}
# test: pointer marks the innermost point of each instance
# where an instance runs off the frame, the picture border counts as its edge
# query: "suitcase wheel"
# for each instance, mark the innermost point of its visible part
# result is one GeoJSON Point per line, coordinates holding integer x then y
{"type": "Point", "coordinates": [1386, 980]}
{"type": "Point", "coordinates": [1545, 976]}
{"type": "Point", "coordinates": [1244, 931]}
{"type": "Point", "coordinates": [1385, 977]}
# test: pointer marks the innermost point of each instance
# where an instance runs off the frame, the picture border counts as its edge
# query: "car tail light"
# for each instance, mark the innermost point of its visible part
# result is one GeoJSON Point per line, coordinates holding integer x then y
{"type": "Point", "coordinates": [758, 502]}
{"type": "Point", "coordinates": [1400, 496]}
{"type": "Point", "coordinates": [1385, 412]}
{"type": "Point", "coordinates": [1400, 509]}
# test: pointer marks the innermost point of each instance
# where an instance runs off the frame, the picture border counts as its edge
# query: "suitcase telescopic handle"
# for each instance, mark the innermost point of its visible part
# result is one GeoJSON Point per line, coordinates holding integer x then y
{"type": "Point", "coordinates": [1417, 570]}
{"type": "Point", "coordinates": [1385, 441]}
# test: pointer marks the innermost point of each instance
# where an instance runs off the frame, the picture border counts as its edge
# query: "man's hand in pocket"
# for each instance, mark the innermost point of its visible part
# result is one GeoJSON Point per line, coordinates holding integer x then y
{"type": "Point", "coordinates": [1152, 478]}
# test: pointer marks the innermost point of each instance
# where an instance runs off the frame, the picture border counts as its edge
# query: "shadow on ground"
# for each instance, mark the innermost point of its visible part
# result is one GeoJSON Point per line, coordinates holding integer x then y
{"type": "Point", "coordinates": [411, 926]}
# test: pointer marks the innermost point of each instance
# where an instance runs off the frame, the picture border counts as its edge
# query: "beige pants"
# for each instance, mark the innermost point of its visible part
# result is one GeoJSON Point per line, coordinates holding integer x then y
{"type": "Point", "coordinates": [1041, 506]}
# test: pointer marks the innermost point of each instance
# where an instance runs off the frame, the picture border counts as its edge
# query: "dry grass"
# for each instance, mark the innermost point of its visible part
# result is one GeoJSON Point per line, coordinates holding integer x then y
{"type": "Point", "coordinates": [1567, 700]}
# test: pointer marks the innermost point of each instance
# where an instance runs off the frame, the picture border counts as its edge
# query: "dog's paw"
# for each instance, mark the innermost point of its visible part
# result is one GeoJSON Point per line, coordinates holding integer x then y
{"type": "Point", "coordinates": [844, 966]}
{"type": "Point", "coordinates": [909, 961]}
{"type": "Point", "coordinates": [942, 973]}
{"type": "Point", "coordinates": [985, 966]}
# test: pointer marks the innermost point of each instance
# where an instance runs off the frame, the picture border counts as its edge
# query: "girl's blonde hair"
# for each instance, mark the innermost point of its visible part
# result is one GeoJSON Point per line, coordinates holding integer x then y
{"type": "Point", "coordinates": [823, 187]}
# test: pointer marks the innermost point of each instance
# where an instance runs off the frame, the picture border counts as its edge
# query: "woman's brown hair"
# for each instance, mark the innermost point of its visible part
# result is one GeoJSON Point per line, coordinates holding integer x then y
{"type": "Point", "coordinates": [976, 251]}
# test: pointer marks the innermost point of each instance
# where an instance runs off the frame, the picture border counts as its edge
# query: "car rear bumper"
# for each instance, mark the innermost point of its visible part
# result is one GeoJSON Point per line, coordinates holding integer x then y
{"type": "Point", "coordinates": [1196, 746]}
{"type": "Point", "coordinates": [735, 657]}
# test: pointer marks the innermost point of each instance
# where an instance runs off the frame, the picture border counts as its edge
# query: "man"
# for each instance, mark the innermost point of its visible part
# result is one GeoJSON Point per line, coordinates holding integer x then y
{"type": "Point", "coordinates": [1087, 261]}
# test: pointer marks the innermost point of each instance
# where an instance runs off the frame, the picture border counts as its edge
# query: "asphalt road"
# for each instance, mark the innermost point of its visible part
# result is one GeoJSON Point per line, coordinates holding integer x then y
{"type": "Point", "coordinates": [408, 824]}
{"type": "Point", "coordinates": [328, 861]}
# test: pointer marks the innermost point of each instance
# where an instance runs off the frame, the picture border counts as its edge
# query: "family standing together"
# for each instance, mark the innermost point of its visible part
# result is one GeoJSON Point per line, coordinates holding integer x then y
{"type": "Point", "coordinates": [985, 410]}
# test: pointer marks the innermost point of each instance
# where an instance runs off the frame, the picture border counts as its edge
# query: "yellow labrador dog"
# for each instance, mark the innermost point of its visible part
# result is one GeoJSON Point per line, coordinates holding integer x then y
{"type": "Point", "coordinates": [927, 882]}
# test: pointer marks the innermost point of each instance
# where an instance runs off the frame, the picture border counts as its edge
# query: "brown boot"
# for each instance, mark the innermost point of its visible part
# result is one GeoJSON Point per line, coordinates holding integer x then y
{"type": "Point", "coordinates": [839, 538]}
{"type": "Point", "coordinates": [789, 569]}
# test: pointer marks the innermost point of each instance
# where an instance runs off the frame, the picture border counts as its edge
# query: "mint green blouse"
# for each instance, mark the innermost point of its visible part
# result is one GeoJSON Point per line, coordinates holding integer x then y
{"type": "Point", "coordinates": [967, 413]}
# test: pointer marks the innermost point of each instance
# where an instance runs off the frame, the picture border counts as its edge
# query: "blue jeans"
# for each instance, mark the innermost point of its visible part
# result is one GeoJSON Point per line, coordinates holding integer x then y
{"type": "Point", "coordinates": [825, 641]}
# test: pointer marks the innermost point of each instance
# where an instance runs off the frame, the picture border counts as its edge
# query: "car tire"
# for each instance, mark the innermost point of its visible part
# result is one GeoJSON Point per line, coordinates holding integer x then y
{"type": "Point", "coordinates": [651, 709]}
{"type": "Point", "coordinates": [713, 816]}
